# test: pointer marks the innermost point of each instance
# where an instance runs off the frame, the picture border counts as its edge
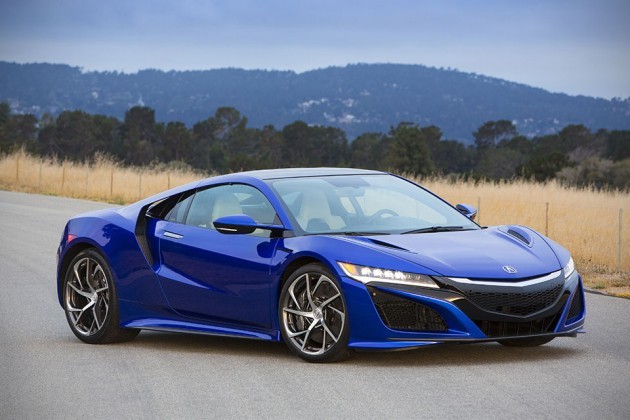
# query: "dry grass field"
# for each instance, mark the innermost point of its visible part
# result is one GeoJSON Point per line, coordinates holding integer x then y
{"type": "Point", "coordinates": [584, 220]}
{"type": "Point", "coordinates": [103, 179]}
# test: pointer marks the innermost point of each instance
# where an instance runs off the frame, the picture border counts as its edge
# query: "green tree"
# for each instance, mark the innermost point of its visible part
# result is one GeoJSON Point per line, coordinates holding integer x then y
{"type": "Point", "coordinates": [217, 140]}
{"type": "Point", "coordinates": [107, 132]}
{"type": "Point", "coordinates": [368, 151]}
{"type": "Point", "coordinates": [619, 176]}
{"type": "Point", "coordinates": [299, 147]}
{"type": "Point", "coordinates": [177, 143]}
{"type": "Point", "coordinates": [269, 152]}
{"type": "Point", "coordinates": [409, 151]}
{"type": "Point", "coordinates": [5, 113]}
{"type": "Point", "coordinates": [491, 133]}
{"type": "Point", "coordinates": [46, 144]}
{"type": "Point", "coordinates": [204, 145]}
{"type": "Point", "coordinates": [332, 146]}
{"type": "Point", "coordinates": [618, 145]}
{"type": "Point", "coordinates": [544, 167]}
{"type": "Point", "coordinates": [243, 149]}
{"type": "Point", "coordinates": [17, 131]}
{"type": "Point", "coordinates": [139, 135]}
{"type": "Point", "coordinates": [499, 163]}
{"type": "Point", "coordinates": [453, 157]}
{"type": "Point", "coordinates": [75, 137]}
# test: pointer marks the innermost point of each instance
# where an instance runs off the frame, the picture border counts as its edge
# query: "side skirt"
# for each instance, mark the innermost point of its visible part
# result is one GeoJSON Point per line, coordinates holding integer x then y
{"type": "Point", "coordinates": [156, 324]}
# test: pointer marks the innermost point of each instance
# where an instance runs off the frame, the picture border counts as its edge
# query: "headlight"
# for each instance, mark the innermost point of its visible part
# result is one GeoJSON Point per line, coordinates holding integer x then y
{"type": "Point", "coordinates": [370, 274]}
{"type": "Point", "coordinates": [569, 268]}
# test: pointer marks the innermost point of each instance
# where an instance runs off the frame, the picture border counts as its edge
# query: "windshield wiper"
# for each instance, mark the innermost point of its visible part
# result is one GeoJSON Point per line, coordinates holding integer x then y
{"type": "Point", "coordinates": [359, 233]}
{"type": "Point", "coordinates": [435, 229]}
{"type": "Point", "coordinates": [348, 233]}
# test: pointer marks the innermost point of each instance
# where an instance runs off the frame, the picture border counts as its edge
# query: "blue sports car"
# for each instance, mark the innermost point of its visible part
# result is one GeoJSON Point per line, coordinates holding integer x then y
{"type": "Point", "coordinates": [325, 259]}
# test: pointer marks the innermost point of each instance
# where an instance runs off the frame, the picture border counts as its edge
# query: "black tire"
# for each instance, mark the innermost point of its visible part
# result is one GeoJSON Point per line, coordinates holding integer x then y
{"type": "Point", "coordinates": [90, 300]}
{"type": "Point", "coordinates": [526, 342]}
{"type": "Point", "coordinates": [320, 332]}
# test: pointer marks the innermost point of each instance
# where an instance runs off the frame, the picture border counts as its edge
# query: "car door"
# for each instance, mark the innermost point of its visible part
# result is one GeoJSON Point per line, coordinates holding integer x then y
{"type": "Point", "coordinates": [213, 276]}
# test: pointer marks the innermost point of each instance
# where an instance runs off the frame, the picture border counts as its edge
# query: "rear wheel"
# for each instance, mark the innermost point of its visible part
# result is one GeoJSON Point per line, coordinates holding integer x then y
{"type": "Point", "coordinates": [90, 302]}
{"type": "Point", "coordinates": [526, 342]}
{"type": "Point", "coordinates": [313, 316]}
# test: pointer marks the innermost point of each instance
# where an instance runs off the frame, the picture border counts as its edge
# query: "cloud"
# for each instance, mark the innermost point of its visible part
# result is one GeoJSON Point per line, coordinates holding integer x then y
{"type": "Point", "coordinates": [537, 42]}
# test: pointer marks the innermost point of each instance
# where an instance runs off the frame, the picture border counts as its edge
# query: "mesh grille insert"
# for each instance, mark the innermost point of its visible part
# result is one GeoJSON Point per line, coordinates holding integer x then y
{"type": "Point", "coordinates": [402, 314]}
{"type": "Point", "coordinates": [511, 303]}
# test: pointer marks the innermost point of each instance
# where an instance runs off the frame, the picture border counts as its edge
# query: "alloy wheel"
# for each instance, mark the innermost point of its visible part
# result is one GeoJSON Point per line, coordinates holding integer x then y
{"type": "Point", "coordinates": [87, 297]}
{"type": "Point", "coordinates": [313, 313]}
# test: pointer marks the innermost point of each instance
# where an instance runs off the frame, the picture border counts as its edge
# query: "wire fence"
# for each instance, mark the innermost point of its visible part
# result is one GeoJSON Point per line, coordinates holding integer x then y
{"type": "Point", "coordinates": [587, 222]}
{"type": "Point", "coordinates": [101, 180]}
{"type": "Point", "coordinates": [605, 233]}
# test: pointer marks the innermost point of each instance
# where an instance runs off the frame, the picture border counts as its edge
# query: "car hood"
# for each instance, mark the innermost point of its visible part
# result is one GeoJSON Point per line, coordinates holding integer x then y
{"type": "Point", "coordinates": [473, 254]}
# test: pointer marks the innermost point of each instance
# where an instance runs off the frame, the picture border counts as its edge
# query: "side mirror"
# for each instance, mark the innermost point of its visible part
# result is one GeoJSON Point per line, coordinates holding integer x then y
{"type": "Point", "coordinates": [242, 224]}
{"type": "Point", "coordinates": [467, 210]}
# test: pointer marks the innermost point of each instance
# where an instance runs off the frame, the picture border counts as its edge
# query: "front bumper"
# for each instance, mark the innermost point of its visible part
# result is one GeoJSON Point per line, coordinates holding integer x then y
{"type": "Point", "coordinates": [387, 316]}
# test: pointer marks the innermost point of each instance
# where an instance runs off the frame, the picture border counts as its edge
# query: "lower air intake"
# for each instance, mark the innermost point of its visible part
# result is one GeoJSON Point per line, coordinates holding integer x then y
{"type": "Point", "coordinates": [402, 314]}
{"type": "Point", "coordinates": [495, 329]}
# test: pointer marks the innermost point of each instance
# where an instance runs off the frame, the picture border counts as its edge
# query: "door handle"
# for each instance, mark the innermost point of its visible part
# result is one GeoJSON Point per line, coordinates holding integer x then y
{"type": "Point", "coordinates": [172, 235]}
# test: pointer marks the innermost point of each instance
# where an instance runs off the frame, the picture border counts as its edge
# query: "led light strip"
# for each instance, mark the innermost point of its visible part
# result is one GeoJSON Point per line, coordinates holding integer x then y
{"type": "Point", "coordinates": [502, 283]}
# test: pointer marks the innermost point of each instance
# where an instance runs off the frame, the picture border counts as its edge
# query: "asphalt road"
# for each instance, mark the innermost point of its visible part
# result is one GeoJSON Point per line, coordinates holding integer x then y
{"type": "Point", "coordinates": [45, 372]}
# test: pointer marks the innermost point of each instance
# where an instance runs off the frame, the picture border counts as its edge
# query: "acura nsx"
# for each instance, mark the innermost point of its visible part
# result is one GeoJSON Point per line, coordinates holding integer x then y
{"type": "Point", "coordinates": [325, 259]}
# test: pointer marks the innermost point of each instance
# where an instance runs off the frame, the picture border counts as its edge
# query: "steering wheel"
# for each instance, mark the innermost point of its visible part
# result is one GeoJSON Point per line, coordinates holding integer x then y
{"type": "Point", "coordinates": [370, 220]}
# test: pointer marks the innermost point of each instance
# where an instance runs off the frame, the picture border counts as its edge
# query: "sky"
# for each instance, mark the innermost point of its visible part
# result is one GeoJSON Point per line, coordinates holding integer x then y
{"type": "Point", "coordinates": [579, 47]}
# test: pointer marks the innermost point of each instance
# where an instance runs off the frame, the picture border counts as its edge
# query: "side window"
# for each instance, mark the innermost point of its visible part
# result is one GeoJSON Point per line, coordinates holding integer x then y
{"type": "Point", "coordinates": [227, 200]}
{"type": "Point", "coordinates": [178, 212]}
{"type": "Point", "coordinates": [172, 209]}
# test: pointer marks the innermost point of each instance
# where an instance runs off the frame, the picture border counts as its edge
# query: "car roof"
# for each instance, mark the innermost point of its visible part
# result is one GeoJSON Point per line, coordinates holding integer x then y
{"type": "Point", "coordinates": [249, 176]}
{"type": "Point", "coordinates": [265, 174]}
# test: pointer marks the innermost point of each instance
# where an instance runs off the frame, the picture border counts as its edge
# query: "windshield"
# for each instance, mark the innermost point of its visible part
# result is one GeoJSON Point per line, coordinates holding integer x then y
{"type": "Point", "coordinates": [365, 204]}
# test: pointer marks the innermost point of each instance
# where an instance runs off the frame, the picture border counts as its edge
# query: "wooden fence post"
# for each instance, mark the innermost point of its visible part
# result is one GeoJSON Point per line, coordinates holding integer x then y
{"type": "Point", "coordinates": [547, 219]}
{"type": "Point", "coordinates": [63, 175]}
{"type": "Point", "coordinates": [111, 182]}
{"type": "Point", "coordinates": [479, 210]}
{"type": "Point", "coordinates": [87, 176]}
{"type": "Point", "coordinates": [620, 239]}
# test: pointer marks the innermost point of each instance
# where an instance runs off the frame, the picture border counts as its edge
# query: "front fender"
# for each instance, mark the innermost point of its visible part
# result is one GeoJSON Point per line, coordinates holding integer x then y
{"type": "Point", "coordinates": [134, 279]}
{"type": "Point", "coordinates": [328, 250]}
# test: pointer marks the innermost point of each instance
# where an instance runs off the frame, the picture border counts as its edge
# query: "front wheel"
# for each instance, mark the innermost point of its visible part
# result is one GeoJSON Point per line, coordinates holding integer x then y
{"type": "Point", "coordinates": [313, 316]}
{"type": "Point", "coordinates": [89, 297]}
{"type": "Point", "coordinates": [526, 342]}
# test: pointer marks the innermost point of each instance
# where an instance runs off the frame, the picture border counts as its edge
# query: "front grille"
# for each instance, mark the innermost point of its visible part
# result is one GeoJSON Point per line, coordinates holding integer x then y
{"type": "Point", "coordinates": [402, 314]}
{"type": "Point", "coordinates": [511, 303]}
{"type": "Point", "coordinates": [510, 329]}
{"type": "Point", "coordinates": [576, 306]}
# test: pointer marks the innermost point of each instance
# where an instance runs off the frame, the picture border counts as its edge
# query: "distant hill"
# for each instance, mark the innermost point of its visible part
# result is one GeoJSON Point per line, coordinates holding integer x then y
{"type": "Point", "coordinates": [357, 98]}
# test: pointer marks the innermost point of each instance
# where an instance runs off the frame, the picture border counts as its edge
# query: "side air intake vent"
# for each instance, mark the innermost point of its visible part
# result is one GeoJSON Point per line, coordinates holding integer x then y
{"type": "Point", "coordinates": [141, 234]}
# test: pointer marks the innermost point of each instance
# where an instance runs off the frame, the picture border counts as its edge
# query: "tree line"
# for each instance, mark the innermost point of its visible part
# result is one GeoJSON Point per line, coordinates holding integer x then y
{"type": "Point", "coordinates": [224, 142]}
